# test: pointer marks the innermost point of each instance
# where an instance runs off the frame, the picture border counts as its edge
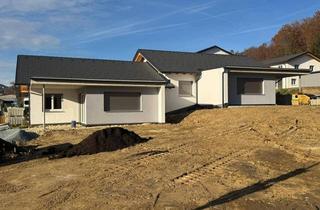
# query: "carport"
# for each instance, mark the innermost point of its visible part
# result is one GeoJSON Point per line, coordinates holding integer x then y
{"type": "Point", "coordinates": [256, 86]}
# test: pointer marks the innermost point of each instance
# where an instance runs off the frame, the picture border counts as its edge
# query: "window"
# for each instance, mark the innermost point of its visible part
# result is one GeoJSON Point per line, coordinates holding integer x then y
{"type": "Point", "coordinates": [122, 101]}
{"type": "Point", "coordinates": [185, 88]}
{"type": "Point", "coordinates": [311, 68]}
{"type": "Point", "coordinates": [293, 81]}
{"type": "Point", "coordinates": [280, 67]}
{"type": "Point", "coordinates": [296, 66]}
{"type": "Point", "coordinates": [249, 86]}
{"type": "Point", "coordinates": [53, 102]}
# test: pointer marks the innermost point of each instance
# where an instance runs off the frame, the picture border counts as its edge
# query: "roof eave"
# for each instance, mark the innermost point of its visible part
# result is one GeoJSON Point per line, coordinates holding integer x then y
{"type": "Point", "coordinates": [96, 80]}
{"type": "Point", "coordinates": [265, 70]}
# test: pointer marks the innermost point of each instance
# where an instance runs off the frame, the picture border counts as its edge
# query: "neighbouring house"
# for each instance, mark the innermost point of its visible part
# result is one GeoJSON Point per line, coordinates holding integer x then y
{"type": "Point", "coordinates": [93, 91]}
{"type": "Point", "coordinates": [2, 88]}
{"type": "Point", "coordinates": [7, 101]}
{"type": "Point", "coordinates": [305, 60]}
{"type": "Point", "coordinates": [215, 50]}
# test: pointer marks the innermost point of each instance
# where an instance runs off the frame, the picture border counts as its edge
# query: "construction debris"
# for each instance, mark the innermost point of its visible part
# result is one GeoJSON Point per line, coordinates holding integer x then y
{"type": "Point", "coordinates": [15, 135]}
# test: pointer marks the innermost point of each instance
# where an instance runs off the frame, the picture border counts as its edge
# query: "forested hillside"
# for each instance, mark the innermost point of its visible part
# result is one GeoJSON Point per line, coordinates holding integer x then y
{"type": "Point", "coordinates": [292, 38]}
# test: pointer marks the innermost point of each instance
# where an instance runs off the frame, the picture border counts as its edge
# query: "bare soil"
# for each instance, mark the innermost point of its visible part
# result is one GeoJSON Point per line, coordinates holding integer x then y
{"type": "Point", "coordinates": [235, 158]}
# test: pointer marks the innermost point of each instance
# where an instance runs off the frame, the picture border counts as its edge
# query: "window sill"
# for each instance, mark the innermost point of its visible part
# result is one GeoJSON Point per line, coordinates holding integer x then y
{"type": "Point", "coordinates": [252, 94]}
{"type": "Point", "coordinates": [185, 96]}
{"type": "Point", "coordinates": [123, 111]}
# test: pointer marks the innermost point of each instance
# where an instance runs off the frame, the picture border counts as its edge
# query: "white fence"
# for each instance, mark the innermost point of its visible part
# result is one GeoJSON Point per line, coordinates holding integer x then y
{"type": "Point", "coordinates": [15, 116]}
{"type": "Point", "coordinates": [315, 102]}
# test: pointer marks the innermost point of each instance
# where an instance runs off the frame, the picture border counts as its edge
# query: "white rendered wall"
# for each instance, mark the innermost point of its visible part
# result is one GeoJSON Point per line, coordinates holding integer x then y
{"type": "Point", "coordinates": [173, 100]}
{"type": "Point", "coordinates": [210, 87]}
{"type": "Point", "coordinates": [70, 105]}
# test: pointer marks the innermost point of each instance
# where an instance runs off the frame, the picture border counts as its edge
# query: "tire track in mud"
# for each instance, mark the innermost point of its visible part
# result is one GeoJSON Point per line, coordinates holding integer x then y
{"type": "Point", "coordinates": [145, 157]}
{"type": "Point", "coordinates": [238, 130]}
{"type": "Point", "coordinates": [133, 161]}
{"type": "Point", "coordinates": [207, 169]}
{"type": "Point", "coordinates": [59, 195]}
{"type": "Point", "coordinates": [275, 138]}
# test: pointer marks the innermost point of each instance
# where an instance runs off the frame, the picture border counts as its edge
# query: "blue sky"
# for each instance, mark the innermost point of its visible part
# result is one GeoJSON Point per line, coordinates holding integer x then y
{"type": "Point", "coordinates": [115, 29]}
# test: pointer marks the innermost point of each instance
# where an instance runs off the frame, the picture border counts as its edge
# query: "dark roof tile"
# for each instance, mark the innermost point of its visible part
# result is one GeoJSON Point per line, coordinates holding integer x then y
{"type": "Point", "coordinates": [188, 62]}
{"type": "Point", "coordinates": [87, 69]}
{"type": "Point", "coordinates": [282, 59]}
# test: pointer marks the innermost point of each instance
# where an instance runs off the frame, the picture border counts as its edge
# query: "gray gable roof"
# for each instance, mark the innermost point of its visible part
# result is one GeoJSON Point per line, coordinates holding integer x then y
{"type": "Point", "coordinates": [214, 47]}
{"type": "Point", "coordinates": [286, 58]}
{"type": "Point", "coordinates": [45, 67]}
{"type": "Point", "coordinates": [282, 59]}
{"type": "Point", "coordinates": [187, 62]}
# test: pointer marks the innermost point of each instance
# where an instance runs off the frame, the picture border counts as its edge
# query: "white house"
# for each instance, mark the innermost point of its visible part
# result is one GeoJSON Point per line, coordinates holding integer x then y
{"type": "Point", "coordinates": [214, 79]}
{"type": "Point", "coordinates": [215, 50]}
{"type": "Point", "coordinates": [305, 60]}
{"type": "Point", "coordinates": [91, 91]}
{"type": "Point", "coordinates": [94, 92]}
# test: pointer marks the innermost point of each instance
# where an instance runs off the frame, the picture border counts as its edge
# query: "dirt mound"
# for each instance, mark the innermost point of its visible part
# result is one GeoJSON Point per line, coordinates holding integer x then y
{"type": "Point", "coordinates": [6, 148]}
{"type": "Point", "coordinates": [109, 139]}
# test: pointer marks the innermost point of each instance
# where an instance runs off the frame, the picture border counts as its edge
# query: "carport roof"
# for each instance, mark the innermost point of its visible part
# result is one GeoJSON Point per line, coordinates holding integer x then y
{"type": "Point", "coordinates": [283, 72]}
{"type": "Point", "coordinates": [48, 67]}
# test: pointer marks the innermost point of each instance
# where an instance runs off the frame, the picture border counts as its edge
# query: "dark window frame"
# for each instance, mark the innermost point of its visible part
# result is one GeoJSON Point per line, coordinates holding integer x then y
{"type": "Point", "coordinates": [191, 88]}
{"type": "Point", "coordinates": [107, 101]}
{"type": "Point", "coordinates": [296, 66]}
{"type": "Point", "coordinates": [242, 86]}
{"type": "Point", "coordinates": [311, 67]}
{"type": "Point", "coordinates": [52, 97]}
{"type": "Point", "coordinates": [295, 81]}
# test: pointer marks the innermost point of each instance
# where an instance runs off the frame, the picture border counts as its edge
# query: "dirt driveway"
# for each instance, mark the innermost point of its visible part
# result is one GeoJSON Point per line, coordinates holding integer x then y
{"type": "Point", "coordinates": [236, 158]}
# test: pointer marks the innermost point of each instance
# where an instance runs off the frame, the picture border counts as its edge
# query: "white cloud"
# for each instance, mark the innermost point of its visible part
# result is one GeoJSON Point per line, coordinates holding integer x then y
{"type": "Point", "coordinates": [4, 64]}
{"type": "Point", "coordinates": [199, 8]}
{"type": "Point", "coordinates": [38, 5]}
{"type": "Point", "coordinates": [7, 71]}
{"type": "Point", "coordinates": [142, 26]}
{"type": "Point", "coordinates": [24, 35]}
{"type": "Point", "coordinates": [129, 31]}
{"type": "Point", "coordinates": [246, 31]}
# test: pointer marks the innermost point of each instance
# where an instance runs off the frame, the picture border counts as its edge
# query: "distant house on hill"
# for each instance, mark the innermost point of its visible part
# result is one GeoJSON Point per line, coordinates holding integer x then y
{"type": "Point", "coordinates": [305, 60]}
{"type": "Point", "coordinates": [215, 50]}
{"type": "Point", "coordinates": [2, 88]}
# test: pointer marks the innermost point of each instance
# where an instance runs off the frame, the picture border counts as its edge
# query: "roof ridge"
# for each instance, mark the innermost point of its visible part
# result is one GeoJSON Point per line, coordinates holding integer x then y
{"type": "Point", "coordinates": [288, 55]}
{"type": "Point", "coordinates": [194, 53]}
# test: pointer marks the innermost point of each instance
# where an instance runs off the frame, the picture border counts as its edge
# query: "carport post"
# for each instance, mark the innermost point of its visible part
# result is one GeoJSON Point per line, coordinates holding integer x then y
{"type": "Point", "coordinates": [300, 88]}
{"type": "Point", "coordinates": [43, 107]}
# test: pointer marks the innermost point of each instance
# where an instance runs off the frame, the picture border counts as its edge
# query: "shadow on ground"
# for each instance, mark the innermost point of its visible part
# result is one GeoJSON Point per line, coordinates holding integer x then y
{"type": "Point", "coordinates": [27, 153]}
{"type": "Point", "coordinates": [105, 140]}
{"type": "Point", "coordinates": [259, 186]}
{"type": "Point", "coordinates": [177, 116]}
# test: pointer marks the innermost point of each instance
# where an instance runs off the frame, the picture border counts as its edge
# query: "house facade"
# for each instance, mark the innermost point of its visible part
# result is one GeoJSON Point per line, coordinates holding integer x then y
{"type": "Point", "coordinates": [214, 79]}
{"type": "Point", "coordinates": [91, 91]}
{"type": "Point", "coordinates": [96, 92]}
{"type": "Point", "coordinates": [305, 60]}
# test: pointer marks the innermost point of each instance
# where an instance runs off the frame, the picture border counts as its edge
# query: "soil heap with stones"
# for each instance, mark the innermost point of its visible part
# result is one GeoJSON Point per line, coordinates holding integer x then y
{"type": "Point", "coordinates": [109, 139]}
